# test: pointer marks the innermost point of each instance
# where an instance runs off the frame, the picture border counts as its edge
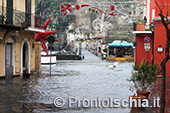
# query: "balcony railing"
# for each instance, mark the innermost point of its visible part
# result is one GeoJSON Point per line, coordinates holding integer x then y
{"type": "Point", "coordinates": [16, 18]}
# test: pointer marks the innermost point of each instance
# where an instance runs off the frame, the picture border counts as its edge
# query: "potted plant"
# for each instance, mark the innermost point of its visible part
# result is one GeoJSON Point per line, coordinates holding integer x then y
{"type": "Point", "coordinates": [147, 29]}
{"type": "Point", "coordinates": [143, 76]}
{"type": "Point", "coordinates": [23, 24]}
{"type": "Point", "coordinates": [137, 98]}
{"type": "Point", "coordinates": [140, 21]}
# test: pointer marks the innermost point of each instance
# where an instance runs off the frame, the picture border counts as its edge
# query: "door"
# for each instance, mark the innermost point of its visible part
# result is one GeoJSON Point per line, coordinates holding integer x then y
{"type": "Point", "coordinates": [9, 12]}
{"type": "Point", "coordinates": [25, 58]}
{"type": "Point", "coordinates": [8, 61]}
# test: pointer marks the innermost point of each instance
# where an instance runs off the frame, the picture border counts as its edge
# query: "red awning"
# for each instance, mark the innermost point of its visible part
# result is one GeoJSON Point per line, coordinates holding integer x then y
{"type": "Point", "coordinates": [99, 37]}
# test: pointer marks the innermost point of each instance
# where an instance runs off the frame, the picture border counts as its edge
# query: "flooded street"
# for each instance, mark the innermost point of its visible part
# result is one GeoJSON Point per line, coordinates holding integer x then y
{"type": "Point", "coordinates": [90, 78]}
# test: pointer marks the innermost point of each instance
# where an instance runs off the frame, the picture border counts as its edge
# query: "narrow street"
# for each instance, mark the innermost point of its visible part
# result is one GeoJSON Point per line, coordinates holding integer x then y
{"type": "Point", "coordinates": [89, 78]}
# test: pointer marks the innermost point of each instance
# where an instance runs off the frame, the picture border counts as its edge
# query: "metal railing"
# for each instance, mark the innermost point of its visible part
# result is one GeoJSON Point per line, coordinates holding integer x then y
{"type": "Point", "coordinates": [16, 18]}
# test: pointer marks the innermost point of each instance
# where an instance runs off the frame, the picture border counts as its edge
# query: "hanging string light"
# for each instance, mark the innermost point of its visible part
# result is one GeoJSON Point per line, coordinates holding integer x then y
{"type": "Point", "coordinates": [125, 8]}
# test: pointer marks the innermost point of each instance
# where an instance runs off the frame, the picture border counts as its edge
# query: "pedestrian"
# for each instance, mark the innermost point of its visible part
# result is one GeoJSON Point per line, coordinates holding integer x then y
{"type": "Point", "coordinates": [83, 56]}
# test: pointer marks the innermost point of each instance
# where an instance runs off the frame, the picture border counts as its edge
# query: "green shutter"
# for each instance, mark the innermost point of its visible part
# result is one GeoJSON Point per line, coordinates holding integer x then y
{"type": "Point", "coordinates": [9, 12]}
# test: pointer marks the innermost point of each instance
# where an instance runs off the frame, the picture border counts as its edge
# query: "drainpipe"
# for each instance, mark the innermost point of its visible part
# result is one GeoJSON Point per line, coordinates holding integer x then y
{"type": "Point", "coordinates": [153, 31]}
{"type": "Point", "coordinates": [152, 48]}
{"type": "Point", "coordinates": [2, 11]}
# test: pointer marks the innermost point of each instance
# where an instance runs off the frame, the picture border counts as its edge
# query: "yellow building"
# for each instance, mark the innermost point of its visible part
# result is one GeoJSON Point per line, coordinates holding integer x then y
{"type": "Point", "coordinates": [18, 50]}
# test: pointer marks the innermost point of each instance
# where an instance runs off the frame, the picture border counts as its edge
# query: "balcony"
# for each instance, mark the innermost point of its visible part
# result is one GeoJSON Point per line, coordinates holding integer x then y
{"type": "Point", "coordinates": [15, 19]}
{"type": "Point", "coordinates": [140, 28]}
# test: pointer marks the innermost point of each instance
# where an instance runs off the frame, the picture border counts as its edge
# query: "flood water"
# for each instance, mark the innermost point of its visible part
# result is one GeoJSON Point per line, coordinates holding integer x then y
{"type": "Point", "coordinates": [90, 78]}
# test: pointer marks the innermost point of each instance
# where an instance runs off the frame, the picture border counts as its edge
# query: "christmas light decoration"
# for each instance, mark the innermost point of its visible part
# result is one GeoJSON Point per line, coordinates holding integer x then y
{"type": "Point", "coordinates": [130, 9]}
{"type": "Point", "coordinates": [43, 36]}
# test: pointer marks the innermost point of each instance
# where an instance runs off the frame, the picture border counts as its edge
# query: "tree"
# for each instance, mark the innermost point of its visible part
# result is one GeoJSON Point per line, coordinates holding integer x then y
{"type": "Point", "coordinates": [165, 21]}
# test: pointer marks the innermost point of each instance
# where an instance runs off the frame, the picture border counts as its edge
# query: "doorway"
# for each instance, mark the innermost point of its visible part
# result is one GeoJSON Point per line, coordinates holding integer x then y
{"type": "Point", "coordinates": [8, 60]}
{"type": "Point", "coordinates": [25, 59]}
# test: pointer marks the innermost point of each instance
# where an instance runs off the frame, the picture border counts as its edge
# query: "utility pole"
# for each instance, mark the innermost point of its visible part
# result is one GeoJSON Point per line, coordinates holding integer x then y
{"type": "Point", "coordinates": [80, 48]}
{"type": "Point", "coordinates": [51, 40]}
{"type": "Point", "coordinates": [50, 58]}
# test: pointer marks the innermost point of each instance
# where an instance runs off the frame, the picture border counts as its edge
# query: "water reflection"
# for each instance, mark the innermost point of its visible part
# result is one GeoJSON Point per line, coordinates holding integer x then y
{"type": "Point", "coordinates": [89, 78]}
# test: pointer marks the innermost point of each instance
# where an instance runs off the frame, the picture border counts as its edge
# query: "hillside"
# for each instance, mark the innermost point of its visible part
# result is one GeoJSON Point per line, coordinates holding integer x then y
{"type": "Point", "coordinates": [115, 27]}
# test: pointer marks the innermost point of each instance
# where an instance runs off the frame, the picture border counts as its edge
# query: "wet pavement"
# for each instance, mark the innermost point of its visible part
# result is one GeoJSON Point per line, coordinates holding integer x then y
{"type": "Point", "coordinates": [90, 78]}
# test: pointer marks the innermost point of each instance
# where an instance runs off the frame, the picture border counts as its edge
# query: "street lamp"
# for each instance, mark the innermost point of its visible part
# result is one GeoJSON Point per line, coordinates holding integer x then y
{"type": "Point", "coordinates": [152, 27]}
{"type": "Point", "coordinates": [145, 20]}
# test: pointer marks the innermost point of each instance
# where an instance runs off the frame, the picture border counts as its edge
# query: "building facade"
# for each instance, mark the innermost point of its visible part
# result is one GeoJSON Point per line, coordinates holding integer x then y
{"type": "Point", "coordinates": [157, 36]}
{"type": "Point", "coordinates": [18, 50]}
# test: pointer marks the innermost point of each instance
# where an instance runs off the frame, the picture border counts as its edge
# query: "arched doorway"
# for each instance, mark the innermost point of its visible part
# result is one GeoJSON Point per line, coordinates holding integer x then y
{"type": "Point", "coordinates": [10, 41]}
{"type": "Point", "coordinates": [25, 57]}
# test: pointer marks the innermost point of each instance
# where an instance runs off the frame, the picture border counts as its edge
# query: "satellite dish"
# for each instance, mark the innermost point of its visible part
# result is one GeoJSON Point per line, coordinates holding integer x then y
{"type": "Point", "coordinates": [97, 24]}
